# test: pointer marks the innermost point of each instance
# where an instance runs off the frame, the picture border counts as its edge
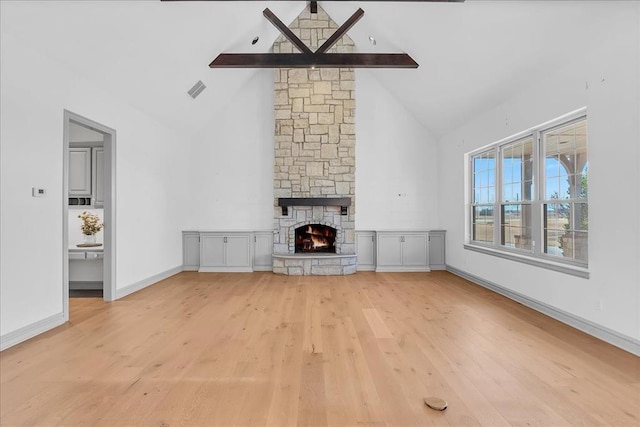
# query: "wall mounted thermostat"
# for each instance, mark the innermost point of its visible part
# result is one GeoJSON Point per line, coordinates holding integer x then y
{"type": "Point", "coordinates": [38, 192]}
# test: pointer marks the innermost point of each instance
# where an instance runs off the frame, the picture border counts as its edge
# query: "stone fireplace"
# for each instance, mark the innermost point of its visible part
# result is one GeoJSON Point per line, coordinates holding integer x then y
{"type": "Point", "coordinates": [314, 170]}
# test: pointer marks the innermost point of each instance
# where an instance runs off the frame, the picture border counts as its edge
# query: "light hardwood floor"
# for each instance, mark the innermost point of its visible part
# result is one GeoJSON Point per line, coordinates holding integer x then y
{"type": "Point", "coordinates": [208, 349]}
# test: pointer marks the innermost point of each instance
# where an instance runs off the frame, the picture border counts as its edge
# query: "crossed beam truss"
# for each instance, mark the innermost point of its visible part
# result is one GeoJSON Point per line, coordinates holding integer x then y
{"type": "Point", "coordinates": [309, 59]}
{"type": "Point", "coordinates": [320, 58]}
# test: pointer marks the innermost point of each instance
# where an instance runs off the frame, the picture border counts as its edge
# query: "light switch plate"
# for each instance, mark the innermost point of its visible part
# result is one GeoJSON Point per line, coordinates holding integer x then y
{"type": "Point", "coordinates": [38, 192]}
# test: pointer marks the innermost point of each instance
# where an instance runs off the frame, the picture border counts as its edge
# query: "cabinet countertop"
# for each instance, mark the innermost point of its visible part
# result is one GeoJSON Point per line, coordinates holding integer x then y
{"type": "Point", "coordinates": [74, 248]}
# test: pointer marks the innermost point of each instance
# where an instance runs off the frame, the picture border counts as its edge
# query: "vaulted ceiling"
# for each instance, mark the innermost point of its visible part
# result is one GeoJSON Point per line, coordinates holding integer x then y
{"type": "Point", "coordinates": [472, 55]}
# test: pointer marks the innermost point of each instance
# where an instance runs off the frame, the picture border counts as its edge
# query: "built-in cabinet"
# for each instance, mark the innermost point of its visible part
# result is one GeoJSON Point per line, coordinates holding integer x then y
{"type": "Point", "coordinates": [191, 250]}
{"type": "Point", "coordinates": [225, 251]}
{"type": "Point", "coordinates": [86, 176]}
{"type": "Point", "coordinates": [209, 251]}
{"type": "Point", "coordinates": [86, 268]}
{"type": "Point", "coordinates": [402, 251]}
{"type": "Point", "coordinates": [437, 239]}
{"type": "Point", "coordinates": [366, 250]}
{"type": "Point", "coordinates": [213, 251]}
{"type": "Point", "coordinates": [263, 251]}
{"type": "Point", "coordinates": [80, 172]}
{"type": "Point", "coordinates": [97, 176]}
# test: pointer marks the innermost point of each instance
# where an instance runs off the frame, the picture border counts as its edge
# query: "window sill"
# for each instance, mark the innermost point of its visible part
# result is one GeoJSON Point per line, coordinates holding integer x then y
{"type": "Point", "coordinates": [549, 265]}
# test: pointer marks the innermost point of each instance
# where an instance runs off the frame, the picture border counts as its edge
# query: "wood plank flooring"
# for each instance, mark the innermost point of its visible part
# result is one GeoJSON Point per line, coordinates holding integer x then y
{"type": "Point", "coordinates": [209, 349]}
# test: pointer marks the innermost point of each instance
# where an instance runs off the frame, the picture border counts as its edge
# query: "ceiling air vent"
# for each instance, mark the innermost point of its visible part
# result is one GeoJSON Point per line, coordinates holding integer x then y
{"type": "Point", "coordinates": [196, 89]}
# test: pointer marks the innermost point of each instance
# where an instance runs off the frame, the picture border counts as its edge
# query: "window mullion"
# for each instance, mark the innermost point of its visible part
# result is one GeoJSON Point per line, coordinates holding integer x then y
{"type": "Point", "coordinates": [497, 211]}
{"type": "Point", "coordinates": [536, 203]}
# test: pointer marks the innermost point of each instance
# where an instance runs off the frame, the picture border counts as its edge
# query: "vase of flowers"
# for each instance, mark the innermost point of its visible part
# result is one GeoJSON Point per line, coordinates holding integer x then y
{"type": "Point", "coordinates": [91, 224]}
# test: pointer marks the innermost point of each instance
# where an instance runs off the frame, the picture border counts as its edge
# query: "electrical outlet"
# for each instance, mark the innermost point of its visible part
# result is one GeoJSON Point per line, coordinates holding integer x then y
{"type": "Point", "coordinates": [599, 305]}
{"type": "Point", "coordinates": [38, 192]}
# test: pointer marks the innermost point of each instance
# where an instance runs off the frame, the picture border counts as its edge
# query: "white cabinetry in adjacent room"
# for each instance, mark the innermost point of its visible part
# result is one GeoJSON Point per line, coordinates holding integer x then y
{"type": "Point", "coordinates": [97, 176]}
{"type": "Point", "coordinates": [366, 250]}
{"type": "Point", "coordinates": [86, 268]}
{"type": "Point", "coordinates": [402, 251]}
{"type": "Point", "coordinates": [86, 177]}
{"type": "Point", "coordinates": [231, 252]}
{"type": "Point", "coordinates": [80, 172]}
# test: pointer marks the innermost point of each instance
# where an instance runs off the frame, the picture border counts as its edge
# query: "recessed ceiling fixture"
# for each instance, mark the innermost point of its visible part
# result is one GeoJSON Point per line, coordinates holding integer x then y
{"type": "Point", "coordinates": [196, 89]}
{"type": "Point", "coordinates": [255, 40]}
{"type": "Point", "coordinates": [372, 40]}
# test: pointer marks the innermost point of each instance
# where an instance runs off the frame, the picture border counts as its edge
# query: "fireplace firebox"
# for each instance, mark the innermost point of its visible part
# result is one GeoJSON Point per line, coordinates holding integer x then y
{"type": "Point", "coordinates": [315, 238]}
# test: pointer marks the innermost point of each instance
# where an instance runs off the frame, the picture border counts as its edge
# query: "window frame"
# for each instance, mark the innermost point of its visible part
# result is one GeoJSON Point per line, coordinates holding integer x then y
{"type": "Point", "coordinates": [536, 254]}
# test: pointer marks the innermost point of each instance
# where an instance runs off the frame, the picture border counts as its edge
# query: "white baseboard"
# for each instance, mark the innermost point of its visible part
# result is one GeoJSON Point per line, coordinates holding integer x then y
{"type": "Point", "coordinates": [225, 270]}
{"type": "Point", "coordinates": [135, 287]}
{"type": "Point", "coordinates": [22, 334]}
{"type": "Point", "coordinates": [617, 339]}
{"type": "Point", "coordinates": [15, 337]}
{"type": "Point", "coordinates": [402, 269]}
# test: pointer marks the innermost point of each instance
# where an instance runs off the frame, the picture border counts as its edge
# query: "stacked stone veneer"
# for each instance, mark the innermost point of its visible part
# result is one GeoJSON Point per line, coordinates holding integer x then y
{"type": "Point", "coordinates": [314, 149]}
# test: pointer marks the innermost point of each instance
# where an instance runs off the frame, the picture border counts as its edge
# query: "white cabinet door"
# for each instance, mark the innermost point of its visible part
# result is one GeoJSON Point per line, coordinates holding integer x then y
{"type": "Point", "coordinates": [212, 250]}
{"type": "Point", "coordinates": [402, 251]}
{"type": "Point", "coordinates": [220, 251]}
{"type": "Point", "coordinates": [414, 250]}
{"type": "Point", "coordinates": [80, 172]}
{"type": "Point", "coordinates": [97, 175]}
{"type": "Point", "coordinates": [238, 251]}
{"type": "Point", "coordinates": [437, 250]}
{"type": "Point", "coordinates": [263, 251]}
{"type": "Point", "coordinates": [190, 250]}
{"type": "Point", "coordinates": [366, 250]}
{"type": "Point", "coordinates": [389, 250]}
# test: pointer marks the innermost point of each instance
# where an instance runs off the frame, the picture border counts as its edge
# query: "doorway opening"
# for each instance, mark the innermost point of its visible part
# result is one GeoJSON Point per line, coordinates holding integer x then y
{"type": "Point", "coordinates": [88, 190]}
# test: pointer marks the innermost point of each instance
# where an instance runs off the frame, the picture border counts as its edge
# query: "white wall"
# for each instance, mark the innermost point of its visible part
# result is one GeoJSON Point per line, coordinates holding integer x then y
{"type": "Point", "coordinates": [606, 81]}
{"type": "Point", "coordinates": [231, 165]}
{"type": "Point", "coordinates": [232, 162]}
{"type": "Point", "coordinates": [396, 162]}
{"type": "Point", "coordinates": [151, 184]}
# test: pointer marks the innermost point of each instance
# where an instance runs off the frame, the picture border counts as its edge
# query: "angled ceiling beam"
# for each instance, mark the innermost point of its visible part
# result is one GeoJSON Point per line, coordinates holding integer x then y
{"type": "Point", "coordinates": [310, 59]}
{"type": "Point", "coordinates": [286, 31]}
{"type": "Point", "coordinates": [313, 60]}
{"type": "Point", "coordinates": [341, 31]}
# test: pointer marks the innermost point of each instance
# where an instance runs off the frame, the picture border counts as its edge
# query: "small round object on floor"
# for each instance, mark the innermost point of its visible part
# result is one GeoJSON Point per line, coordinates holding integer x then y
{"type": "Point", "coordinates": [435, 403]}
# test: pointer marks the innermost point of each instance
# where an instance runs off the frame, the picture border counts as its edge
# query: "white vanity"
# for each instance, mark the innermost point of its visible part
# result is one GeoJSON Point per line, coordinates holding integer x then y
{"type": "Point", "coordinates": [86, 268]}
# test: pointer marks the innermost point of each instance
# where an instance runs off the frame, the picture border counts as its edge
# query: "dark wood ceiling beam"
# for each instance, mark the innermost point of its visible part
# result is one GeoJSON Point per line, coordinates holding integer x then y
{"type": "Point", "coordinates": [305, 60]}
{"type": "Point", "coordinates": [286, 31]}
{"type": "Point", "coordinates": [341, 31]}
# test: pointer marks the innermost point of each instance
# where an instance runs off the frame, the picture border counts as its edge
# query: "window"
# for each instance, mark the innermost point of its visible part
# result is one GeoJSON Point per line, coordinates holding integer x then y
{"type": "Point", "coordinates": [534, 186]}
{"type": "Point", "coordinates": [484, 189]}
{"type": "Point", "coordinates": [566, 212]}
{"type": "Point", "coordinates": [516, 161]}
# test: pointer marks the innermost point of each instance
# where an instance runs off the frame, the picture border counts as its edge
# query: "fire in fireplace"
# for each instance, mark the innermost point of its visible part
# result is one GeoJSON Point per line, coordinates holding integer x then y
{"type": "Point", "coordinates": [315, 238]}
